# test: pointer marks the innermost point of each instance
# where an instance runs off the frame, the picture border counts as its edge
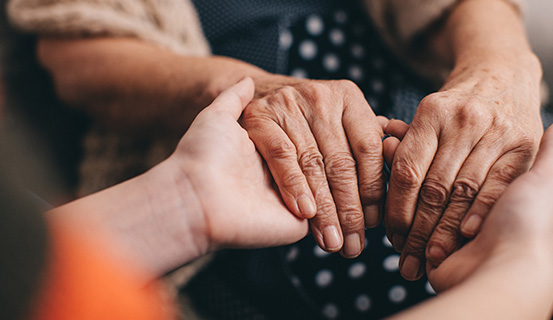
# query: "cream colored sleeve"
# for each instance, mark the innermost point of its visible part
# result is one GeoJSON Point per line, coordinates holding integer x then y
{"type": "Point", "coordinates": [401, 21]}
{"type": "Point", "coordinates": [172, 24]}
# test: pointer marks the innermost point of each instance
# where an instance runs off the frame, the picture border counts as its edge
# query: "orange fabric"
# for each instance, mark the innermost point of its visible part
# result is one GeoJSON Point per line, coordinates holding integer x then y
{"type": "Point", "coordinates": [80, 285]}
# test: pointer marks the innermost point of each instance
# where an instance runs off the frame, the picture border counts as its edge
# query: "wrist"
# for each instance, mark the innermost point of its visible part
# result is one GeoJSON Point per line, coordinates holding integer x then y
{"type": "Point", "coordinates": [179, 222]}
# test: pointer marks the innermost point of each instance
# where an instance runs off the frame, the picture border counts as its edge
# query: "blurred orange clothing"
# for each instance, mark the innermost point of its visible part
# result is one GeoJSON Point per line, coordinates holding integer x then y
{"type": "Point", "coordinates": [81, 284]}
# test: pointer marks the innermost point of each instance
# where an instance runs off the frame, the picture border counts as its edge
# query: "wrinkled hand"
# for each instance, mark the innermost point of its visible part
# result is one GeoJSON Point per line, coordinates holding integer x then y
{"type": "Point", "coordinates": [466, 143]}
{"type": "Point", "coordinates": [520, 225]}
{"type": "Point", "coordinates": [322, 144]}
{"type": "Point", "coordinates": [241, 208]}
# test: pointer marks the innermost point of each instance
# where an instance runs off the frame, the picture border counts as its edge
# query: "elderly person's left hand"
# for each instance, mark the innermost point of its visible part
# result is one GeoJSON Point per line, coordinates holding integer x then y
{"type": "Point", "coordinates": [467, 142]}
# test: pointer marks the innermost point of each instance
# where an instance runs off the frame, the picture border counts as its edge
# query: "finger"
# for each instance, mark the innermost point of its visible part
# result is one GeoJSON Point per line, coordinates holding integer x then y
{"type": "Point", "coordinates": [365, 138]}
{"type": "Point", "coordinates": [432, 201]}
{"type": "Point", "coordinates": [234, 99]}
{"type": "Point", "coordinates": [396, 128]}
{"type": "Point", "coordinates": [544, 159]}
{"type": "Point", "coordinates": [383, 121]}
{"type": "Point", "coordinates": [341, 172]}
{"type": "Point", "coordinates": [280, 154]}
{"type": "Point", "coordinates": [501, 174]}
{"type": "Point", "coordinates": [390, 145]}
{"type": "Point", "coordinates": [411, 162]}
{"type": "Point", "coordinates": [447, 236]}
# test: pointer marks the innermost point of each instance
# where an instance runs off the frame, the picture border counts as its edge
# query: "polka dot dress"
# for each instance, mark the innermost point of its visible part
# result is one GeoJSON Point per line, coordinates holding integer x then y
{"type": "Point", "coordinates": [368, 287]}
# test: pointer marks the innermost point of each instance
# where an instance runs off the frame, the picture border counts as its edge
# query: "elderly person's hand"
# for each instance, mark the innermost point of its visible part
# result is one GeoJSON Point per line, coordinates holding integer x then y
{"type": "Point", "coordinates": [520, 226]}
{"type": "Point", "coordinates": [322, 143]}
{"type": "Point", "coordinates": [466, 143]}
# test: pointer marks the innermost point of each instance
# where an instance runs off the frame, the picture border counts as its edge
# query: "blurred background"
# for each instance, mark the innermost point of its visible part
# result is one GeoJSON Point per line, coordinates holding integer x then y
{"type": "Point", "coordinates": [540, 31]}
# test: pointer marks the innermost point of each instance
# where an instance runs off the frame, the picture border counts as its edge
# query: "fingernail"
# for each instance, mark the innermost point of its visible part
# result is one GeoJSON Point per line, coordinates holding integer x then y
{"type": "Point", "coordinates": [306, 206]}
{"type": "Point", "coordinates": [398, 241]}
{"type": "Point", "coordinates": [472, 224]}
{"type": "Point", "coordinates": [436, 254]}
{"type": "Point", "coordinates": [372, 216]}
{"type": "Point", "coordinates": [411, 268]}
{"type": "Point", "coordinates": [332, 239]}
{"type": "Point", "coordinates": [353, 245]}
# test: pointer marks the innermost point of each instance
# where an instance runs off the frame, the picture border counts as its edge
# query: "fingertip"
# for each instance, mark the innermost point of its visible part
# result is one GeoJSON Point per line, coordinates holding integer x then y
{"type": "Point", "coordinates": [306, 207]}
{"type": "Point", "coordinates": [397, 128]}
{"type": "Point", "coordinates": [383, 121]}
{"type": "Point", "coordinates": [235, 98]}
{"type": "Point", "coordinates": [389, 146]}
{"type": "Point", "coordinates": [471, 225]}
{"type": "Point", "coordinates": [372, 216]}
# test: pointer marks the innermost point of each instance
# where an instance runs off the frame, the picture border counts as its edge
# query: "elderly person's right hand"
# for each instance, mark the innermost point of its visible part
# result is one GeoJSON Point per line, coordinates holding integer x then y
{"type": "Point", "coordinates": [322, 144]}
{"type": "Point", "coordinates": [518, 228]}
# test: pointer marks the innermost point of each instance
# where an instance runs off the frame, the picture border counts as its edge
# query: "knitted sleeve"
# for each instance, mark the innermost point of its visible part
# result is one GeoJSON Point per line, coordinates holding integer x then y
{"type": "Point", "coordinates": [401, 21]}
{"type": "Point", "coordinates": [172, 24]}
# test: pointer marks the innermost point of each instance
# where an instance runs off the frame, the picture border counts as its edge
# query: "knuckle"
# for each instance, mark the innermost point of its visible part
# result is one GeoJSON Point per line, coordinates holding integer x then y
{"type": "Point", "coordinates": [340, 165]}
{"type": "Point", "coordinates": [372, 190]}
{"type": "Point", "coordinates": [311, 162]}
{"type": "Point", "coordinates": [434, 194]}
{"type": "Point", "coordinates": [404, 175]}
{"type": "Point", "coordinates": [416, 242]}
{"type": "Point", "coordinates": [280, 149]}
{"type": "Point", "coordinates": [506, 173]}
{"type": "Point", "coordinates": [464, 190]}
{"type": "Point", "coordinates": [291, 180]}
{"type": "Point", "coordinates": [351, 216]}
{"type": "Point", "coordinates": [448, 228]}
{"type": "Point", "coordinates": [488, 199]}
{"type": "Point", "coordinates": [348, 85]}
{"type": "Point", "coordinates": [326, 207]}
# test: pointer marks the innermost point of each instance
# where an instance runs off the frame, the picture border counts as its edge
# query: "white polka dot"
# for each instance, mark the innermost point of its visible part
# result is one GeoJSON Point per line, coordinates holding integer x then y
{"type": "Point", "coordinates": [340, 16]}
{"type": "Point", "coordinates": [292, 253]}
{"type": "Point", "coordinates": [429, 288]}
{"type": "Point", "coordinates": [299, 73]}
{"type": "Point", "coordinates": [386, 242]}
{"type": "Point", "coordinates": [330, 311]}
{"type": "Point", "coordinates": [285, 39]}
{"type": "Point", "coordinates": [377, 85]}
{"type": "Point", "coordinates": [357, 51]}
{"type": "Point", "coordinates": [357, 270]}
{"type": "Point", "coordinates": [331, 62]}
{"type": "Point", "coordinates": [362, 303]}
{"type": "Point", "coordinates": [295, 281]}
{"type": "Point", "coordinates": [337, 37]}
{"type": "Point", "coordinates": [308, 49]}
{"type": "Point", "coordinates": [323, 278]}
{"type": "Point", "coordinates": [391, 263]}
{"type": "Point", "coordinates": [319, 253]}
{"type": "Point", "coordinates": [314, 25]}
{"type": "Point", "coordinates": [356, 73]}
{"type": "Point", "coordinates": [397, 294]}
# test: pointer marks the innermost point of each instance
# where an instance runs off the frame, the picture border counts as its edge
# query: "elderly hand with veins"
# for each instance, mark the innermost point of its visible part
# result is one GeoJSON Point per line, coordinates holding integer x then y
{"type": "Point", "coordinates": [469, 140]}
{"type": "Point", "coordinates": [322, 144]}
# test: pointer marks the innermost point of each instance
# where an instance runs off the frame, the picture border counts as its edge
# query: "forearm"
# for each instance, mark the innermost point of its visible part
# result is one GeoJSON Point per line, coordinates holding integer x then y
{"type": "Point", "coordinates": [510, 288]}
{"type": "Point", "coordinates": [134, 85]}
{"type": "Point", "coordinates": [483, 31]}
{"type": "Point", "coordinates": [143, 221]}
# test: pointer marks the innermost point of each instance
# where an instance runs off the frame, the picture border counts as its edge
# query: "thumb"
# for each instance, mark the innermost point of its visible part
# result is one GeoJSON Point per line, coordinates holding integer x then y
{"type": "Point", "coordinates": [544, 159]}
{"type": "Point", "coordinates": [234, 99]}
